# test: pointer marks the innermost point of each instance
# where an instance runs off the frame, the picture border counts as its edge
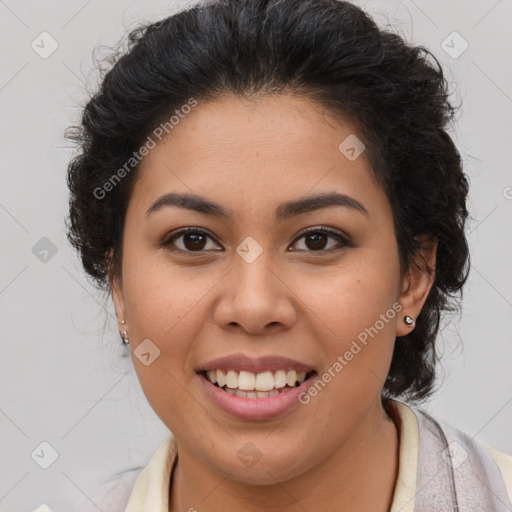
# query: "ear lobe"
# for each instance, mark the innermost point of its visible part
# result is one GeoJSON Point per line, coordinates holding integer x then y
{"type": "Point", "coordinates": [419, 280]}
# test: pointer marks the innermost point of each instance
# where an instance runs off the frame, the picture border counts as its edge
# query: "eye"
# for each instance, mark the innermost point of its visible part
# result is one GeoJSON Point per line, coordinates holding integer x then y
{"type": "Point", "coordinates": [193, 240]}
{"type": "Point", "coordinates": [316, 239]}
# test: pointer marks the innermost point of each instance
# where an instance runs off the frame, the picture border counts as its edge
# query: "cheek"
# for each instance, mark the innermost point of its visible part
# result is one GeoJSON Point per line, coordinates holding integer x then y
{"type": "Point", "coordinates": [166, 304]}
{"type": "Point", "coordinates": [163, 305]}
{"type": "Point", "coordinates": [349, 299]}
{"type": "Point", "coordinates": [354, 314]}
{"type": "Point", "coordinates": [159, 294]}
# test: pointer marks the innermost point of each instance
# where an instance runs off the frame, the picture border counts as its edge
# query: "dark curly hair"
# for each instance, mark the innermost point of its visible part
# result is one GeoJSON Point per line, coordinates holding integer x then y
{"type": "Point", "coordinates": [329, 51]}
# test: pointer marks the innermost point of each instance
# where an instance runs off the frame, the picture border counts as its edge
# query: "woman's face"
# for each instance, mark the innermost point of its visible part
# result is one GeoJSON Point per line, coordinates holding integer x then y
{"type": "Point", "coordinates": [254, 285]}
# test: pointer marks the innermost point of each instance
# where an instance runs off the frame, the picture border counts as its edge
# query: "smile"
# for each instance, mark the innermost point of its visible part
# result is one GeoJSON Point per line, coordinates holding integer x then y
{"type": "Point", "coordinates": [237, 400]}
{"type": "Point", "coordinates": [256, 385]}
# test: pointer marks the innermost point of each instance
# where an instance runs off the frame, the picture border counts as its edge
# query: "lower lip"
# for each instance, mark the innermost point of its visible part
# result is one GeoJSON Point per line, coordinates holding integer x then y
{"type": "Point", "coordinates": [255, 408]}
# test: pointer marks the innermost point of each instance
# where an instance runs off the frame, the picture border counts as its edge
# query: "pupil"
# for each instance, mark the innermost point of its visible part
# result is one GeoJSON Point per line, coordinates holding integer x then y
{"type": "Point", "coordinates": [195, 238]}
{"type": "Point", "coordinates": [315, 238]}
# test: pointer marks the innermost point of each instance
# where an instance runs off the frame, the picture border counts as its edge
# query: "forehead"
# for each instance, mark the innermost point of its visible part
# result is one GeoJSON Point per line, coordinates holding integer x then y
{"type": "Point", "coordinates": [274, 126]}
{"type": "Point", "coordinates": [253, 151]}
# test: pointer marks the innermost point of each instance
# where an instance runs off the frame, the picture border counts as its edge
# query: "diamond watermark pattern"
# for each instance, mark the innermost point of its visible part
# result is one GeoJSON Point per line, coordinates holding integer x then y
{"type": "Point", "coordinates": [44, 455]}
{"type": "Point", "coordinates": [454, 454]}
{"type": "Point", "coordinates": [147, 352]}
{"type": "Point", "coordinates": [352, 147]}
{"type": "Point", "coordinates": [44, 250]}
{"type": "Point", "coordinates": [249, 249]}
{"type": "Point", "coordinates": [249, 454]}
{"type": "Point", "coordinates": [454, 45]}
{"type": "Point", "coordinates": [44, 45]}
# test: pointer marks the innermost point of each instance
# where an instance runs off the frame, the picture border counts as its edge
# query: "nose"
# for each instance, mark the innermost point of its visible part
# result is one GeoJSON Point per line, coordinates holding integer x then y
{"type": "Point", "coordinates": [255, 298]}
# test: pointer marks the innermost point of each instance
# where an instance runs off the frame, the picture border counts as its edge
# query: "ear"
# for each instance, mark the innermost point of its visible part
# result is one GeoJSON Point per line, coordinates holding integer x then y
{"type": "Point", "coordinates": [418, 281]}
{"type": "Point", "coordinates": [117, 291]}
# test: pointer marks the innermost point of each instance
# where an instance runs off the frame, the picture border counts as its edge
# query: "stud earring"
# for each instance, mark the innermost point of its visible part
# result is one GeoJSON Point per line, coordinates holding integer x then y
{"type": "Point", "coordinates": [124, 335]}
{"type": "Point", "coordinates": [408, 320]}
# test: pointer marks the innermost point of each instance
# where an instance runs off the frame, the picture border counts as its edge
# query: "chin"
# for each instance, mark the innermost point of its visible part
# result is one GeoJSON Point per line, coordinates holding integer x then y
{"type": "Point", "coordinates": [269, 469]}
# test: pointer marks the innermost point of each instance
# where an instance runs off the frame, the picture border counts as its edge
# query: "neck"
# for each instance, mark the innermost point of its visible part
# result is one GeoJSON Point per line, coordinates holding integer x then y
{"type": "Point", "coordinates": [360, 474]}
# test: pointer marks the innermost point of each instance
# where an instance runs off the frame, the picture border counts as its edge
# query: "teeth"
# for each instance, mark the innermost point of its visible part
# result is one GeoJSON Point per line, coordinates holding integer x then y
{"type": "Point", "coordinates": [247, 380]}
{"type": "Point", "coordinates": [280, 379]}
{"type": "Point", "coordinates": [253, 394]}
{"type": "Point", "coordinates": [260, 383]}
{"type": "Point", "coordinates": [232, 379]}
{"type": "Point", "coordinates": [291, 378]}
{"type": "Point", "coordinates": [264, 381]}
{"type": "Point", "coordinates": [220, 377]}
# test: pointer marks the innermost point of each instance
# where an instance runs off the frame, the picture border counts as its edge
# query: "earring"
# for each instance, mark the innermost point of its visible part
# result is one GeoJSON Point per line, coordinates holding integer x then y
{"type": "Point", "coordinates": [124, 335]}
{"type": "Point", "coordinates": [408, 320]}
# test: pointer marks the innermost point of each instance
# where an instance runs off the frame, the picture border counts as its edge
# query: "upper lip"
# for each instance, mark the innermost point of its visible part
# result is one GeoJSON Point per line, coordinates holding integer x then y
{"type": "Point", "coordinates": [242, 362]}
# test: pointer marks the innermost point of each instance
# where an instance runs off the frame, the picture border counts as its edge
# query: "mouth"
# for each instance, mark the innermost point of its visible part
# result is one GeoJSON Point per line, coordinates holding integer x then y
{"type": "Point", "coordinates": [260, 388]}
{"type": "Point", "coordinates": [246, 384]}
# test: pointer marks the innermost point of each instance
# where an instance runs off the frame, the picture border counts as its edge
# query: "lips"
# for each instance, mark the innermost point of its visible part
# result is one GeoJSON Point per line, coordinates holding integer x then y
{"type": "Point", "coordinates": [255, 388]}
{"type": "Point", "coordinates": [242, 362]}
{"type": "Point", "coordinates": [246, 406]}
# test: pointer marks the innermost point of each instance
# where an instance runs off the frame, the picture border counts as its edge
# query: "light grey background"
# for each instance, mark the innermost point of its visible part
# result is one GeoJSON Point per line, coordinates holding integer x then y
{"type": "Point", "coordinates": [63, 382]}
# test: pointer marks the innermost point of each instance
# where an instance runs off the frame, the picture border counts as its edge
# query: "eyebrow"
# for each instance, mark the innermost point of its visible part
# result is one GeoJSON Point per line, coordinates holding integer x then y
{"type": "Point", "coordinates": [283, 211]}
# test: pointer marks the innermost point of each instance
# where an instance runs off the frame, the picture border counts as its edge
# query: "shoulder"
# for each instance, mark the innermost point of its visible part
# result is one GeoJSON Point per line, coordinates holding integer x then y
{"type": "Point", "coordinates": [482, 460]}
{"type": "Point", "coordinates": [504, 463]}
{"type": "Point", "coordinates": [111, 496]}
{"type": "Point", "coordinates": [122, 489]}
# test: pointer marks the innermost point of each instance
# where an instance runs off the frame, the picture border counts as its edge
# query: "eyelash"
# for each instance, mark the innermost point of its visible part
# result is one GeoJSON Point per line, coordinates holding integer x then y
{"type": "Point", "coordinates": [168, 241]}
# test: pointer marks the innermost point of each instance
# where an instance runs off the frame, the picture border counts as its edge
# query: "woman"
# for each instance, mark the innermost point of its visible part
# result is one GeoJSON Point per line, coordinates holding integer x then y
{"type": "Point", "coordinates": [267, 190]}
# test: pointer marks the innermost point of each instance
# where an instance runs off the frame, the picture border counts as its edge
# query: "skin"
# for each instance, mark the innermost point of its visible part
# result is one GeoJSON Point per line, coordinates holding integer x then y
{"type": "Point", "coordinates": [250, 155]}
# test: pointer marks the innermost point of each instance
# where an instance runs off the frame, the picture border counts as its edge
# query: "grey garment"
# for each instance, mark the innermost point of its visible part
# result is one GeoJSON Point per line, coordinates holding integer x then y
{"type": "Point", "coordinates": [456, 473]}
